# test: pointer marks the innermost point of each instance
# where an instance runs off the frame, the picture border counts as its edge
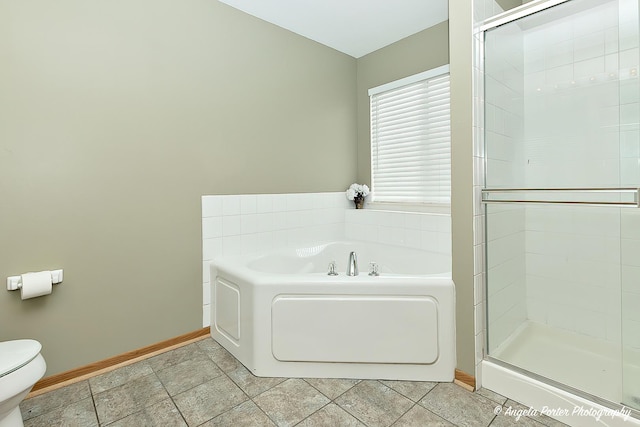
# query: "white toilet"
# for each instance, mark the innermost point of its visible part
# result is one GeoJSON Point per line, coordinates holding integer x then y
{"type": "Point", "coordinates": [21, 366]}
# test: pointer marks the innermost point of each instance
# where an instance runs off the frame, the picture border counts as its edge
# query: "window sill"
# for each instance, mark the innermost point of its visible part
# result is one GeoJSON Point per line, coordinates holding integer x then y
{"type": "Point", "coordinates": [409, 207]}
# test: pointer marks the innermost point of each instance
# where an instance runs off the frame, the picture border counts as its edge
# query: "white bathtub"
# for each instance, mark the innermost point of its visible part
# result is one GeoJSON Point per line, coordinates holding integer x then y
{"type": "Point", "coordinates": [280, 314]}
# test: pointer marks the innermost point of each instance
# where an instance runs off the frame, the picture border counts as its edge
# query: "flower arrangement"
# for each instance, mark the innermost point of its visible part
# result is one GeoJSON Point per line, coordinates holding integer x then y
{"type": "Point", "coordinates": [357, 193]}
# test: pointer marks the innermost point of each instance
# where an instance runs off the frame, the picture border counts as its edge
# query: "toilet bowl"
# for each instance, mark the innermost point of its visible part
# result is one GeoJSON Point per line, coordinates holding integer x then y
{"type": "Point", "coordinates": [21, 366]}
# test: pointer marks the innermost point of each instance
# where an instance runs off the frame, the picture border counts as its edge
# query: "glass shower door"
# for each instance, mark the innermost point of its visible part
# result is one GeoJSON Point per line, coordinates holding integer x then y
{"type": "Point", "coordinates": [630, 254]}
{"type": "Point", "coordinates": [630, 219]}
{"type": "Point", "coordinates": [562, 169]}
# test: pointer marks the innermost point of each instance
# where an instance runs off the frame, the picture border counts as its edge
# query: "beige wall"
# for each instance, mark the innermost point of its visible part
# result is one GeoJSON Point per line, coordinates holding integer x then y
{"type": "Point", "coordinates": [115, 117]}
{"type": "Point", "coordinates": [461, 70]}
{"type": "Point", "coordinates": [420, 52]}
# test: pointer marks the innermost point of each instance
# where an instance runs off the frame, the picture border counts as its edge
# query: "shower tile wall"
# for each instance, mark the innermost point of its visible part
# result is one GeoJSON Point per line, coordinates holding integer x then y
{"type": "Point", "coordinates": [574, 257]}
{"type": "Point", "coordinates": [630, 174]}
{"type": "Point", "coordinates": [574, 254]}
{"type": "Point", "coordinates": [244, 224]}
{"type": "Point", "coordinates": [630, 248]}
{"type": "Point", "coordinates": [479, 282]}
{"type": "Point", "coordinates": [485, 9]}
{"type": "Point", "coordinates": [572, 104]}
{"type": "Point", "coordinates": [573, 269]}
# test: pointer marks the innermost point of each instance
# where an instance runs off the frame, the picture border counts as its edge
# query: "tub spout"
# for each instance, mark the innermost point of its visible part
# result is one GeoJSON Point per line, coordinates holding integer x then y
{"type": "Point", "coordinates": [352, 266]}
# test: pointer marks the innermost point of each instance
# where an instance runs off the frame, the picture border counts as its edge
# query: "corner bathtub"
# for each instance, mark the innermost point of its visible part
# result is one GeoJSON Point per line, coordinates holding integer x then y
{"type": "Point", "coordinates": [280, 314]}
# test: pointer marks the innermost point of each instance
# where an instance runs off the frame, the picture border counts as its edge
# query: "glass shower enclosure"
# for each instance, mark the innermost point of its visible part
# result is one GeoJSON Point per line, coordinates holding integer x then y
{"type": "Point", "coordinates": [562, 171]}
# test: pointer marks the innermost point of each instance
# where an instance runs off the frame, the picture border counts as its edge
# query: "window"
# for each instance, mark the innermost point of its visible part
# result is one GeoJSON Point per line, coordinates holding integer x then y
{"type": "Point", "coordinates": [411, 139]}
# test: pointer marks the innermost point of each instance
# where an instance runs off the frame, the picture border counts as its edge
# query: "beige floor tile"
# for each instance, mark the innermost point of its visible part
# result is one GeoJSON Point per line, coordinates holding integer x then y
{"type": "Point", "coordinates": [208, 400]}
{"type": "Point", "coordinates": [290, 402]}
{"type": "Point", "coordinates": [219, 355]}
{"type": "Point", "coordinates": [374, 403]}
{"type": "Point", "coordinates": [126, 399]}
{"type": "Point", "coordinates": [47, 402]}
{"type": "Point", "coordinates": [332, 387]}
{"type": "Point", "coordinates": [77, 414]}
{"type": "Point", "coordinates": [119, 376]}
{"type": "Point", "coordinates": [331, 415]}
{"type": "Point", "coordinates": [251, 384]}
{"type": "Point", "coordinates": [163, 414]}
{"type": "Point", "coordinates": [211, 388]}
{"type": "Point", "coordinates": [414, 390]}
{"type": "Point", "coordinates": [459, 406]}
{"type": "Point", "coordinates": [175, 356]}
{"type": "Point", "coordinates": [188, 374]}
{"type": "Point", "coordinates": [421, 417]}
{"type": "Point", "coordinates": [492, 395]}
{"type": "Point", "coordinates": [246, 414]}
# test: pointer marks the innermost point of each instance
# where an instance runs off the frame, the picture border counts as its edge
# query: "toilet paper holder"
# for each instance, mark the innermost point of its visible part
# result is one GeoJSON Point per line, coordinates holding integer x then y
{"type": "Point", "coordinates": [15, 282]}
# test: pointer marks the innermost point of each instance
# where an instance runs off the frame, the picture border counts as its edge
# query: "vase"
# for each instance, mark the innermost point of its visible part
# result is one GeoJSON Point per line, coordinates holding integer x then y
{"type": "Point", "coordinates": [359, 201]}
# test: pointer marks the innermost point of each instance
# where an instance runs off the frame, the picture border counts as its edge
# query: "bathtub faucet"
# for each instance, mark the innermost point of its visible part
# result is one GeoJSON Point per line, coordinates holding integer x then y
{"type": "Point", "coordinates": [352, 266]}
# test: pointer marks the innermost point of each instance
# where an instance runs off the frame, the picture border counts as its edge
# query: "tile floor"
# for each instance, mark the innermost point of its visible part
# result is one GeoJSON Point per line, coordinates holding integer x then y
{"type": "Point", "coordinates": [201, 384]}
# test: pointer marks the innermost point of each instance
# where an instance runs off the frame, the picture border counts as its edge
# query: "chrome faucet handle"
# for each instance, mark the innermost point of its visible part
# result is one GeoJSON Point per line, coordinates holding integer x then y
{"type": "Point", "coordinates": [373, 269]}
{"type": "Point", "coordinates": [332, 269]}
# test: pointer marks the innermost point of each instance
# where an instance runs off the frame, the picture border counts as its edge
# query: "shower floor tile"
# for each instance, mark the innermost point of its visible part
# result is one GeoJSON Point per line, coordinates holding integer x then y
{"type": "Point", "coordinates": [201, 384]}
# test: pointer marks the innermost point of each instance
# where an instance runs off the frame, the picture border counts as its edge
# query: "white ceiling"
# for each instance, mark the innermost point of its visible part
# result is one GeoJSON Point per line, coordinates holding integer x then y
{"type": "Point", "coordinates": [355, 27]}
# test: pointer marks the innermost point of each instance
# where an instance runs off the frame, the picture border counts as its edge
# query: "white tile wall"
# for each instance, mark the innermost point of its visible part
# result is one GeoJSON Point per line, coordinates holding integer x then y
{"type": "Point", "coordinates": [244, 224]}
{"type": "Point", "coordinates": [481, 114]}
{"type": "Point", "coordinates": [430, 232]}
{"type": "Point", "coordinates": [630, 276]}
{"type": "Point", "coordinates": [572, 107]}
{"type": "Point", "coordinates": [506, 280]}
{"type": "Point", "coordinates": [574, 254]}
{"type": "Point", "coordinates": [485, 9]}
{"type": "Point", "coordinates": [573, 269]}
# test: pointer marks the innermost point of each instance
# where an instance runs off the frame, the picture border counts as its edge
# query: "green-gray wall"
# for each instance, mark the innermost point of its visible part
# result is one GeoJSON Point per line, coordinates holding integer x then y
{"type": "Point", "coordinates": [461, 71]}
{"type": "Point", "coordinates": [115, 117]}
{"type": "Point", "coordinates": [414, 54]}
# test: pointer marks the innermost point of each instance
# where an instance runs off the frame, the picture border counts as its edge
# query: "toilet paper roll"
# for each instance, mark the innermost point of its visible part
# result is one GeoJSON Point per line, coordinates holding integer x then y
{"type": "Point", "coordinates": [35, 284]}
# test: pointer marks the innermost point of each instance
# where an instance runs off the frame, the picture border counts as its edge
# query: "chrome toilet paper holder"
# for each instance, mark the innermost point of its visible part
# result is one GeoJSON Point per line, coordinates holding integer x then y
{"type": "Point", "coordinates": [15, 282]}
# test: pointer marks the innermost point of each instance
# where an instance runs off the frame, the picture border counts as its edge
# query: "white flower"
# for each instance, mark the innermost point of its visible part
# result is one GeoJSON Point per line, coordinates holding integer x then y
{"type": "Point", "coordinates": [351, 194]}
{"type": "Point", "coordinates": [357, 190]}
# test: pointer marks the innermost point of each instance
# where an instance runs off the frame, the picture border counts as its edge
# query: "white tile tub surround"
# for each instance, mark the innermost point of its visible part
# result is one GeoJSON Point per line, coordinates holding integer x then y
{"type": "Point", "coordinates": [244, 224]}
{"type": "Point", "coordinates": [417, 230]}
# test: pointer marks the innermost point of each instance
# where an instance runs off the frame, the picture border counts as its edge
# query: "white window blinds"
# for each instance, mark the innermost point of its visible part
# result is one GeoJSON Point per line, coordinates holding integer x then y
{"type": "Point", "coordinates": [411, 139]}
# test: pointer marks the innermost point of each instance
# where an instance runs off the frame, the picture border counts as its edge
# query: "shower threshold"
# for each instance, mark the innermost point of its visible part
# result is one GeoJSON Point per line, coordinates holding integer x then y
{"type": "Point", "coordinates": [585, 363]}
